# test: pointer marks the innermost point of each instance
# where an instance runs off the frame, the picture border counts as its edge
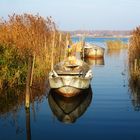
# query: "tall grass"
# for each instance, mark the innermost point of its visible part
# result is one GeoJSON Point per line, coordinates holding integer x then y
{"type": "Point", "coordinates": [25, 38]}
{"type": "Point", "coordinates": [134, 57]}
{"type": "Point", "coordinates": [116, 44]}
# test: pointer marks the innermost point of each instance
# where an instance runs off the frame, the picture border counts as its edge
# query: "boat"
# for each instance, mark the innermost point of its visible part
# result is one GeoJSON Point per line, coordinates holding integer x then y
{"type": "Point", "coordinates": [68, 110]}
{"type": "Point", "coordinates": [92, 51]}
{"type": "Point", "coordinates": [69, 77]}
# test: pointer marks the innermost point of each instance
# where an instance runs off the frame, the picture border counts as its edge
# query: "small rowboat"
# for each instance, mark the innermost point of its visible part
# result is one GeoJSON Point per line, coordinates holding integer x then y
{"type": "Point", "coordinates": [68, 78]}
{"type": "Point", "coordinates": [92, 51]}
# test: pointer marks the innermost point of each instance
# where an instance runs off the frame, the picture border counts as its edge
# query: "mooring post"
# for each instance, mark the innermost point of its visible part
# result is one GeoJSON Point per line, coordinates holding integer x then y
{"type": "Point", "coordinates": [53, 44]}
{"type": "Point", "coordinates": [28, 80]}
{"type": "Point", "coordinates": [67, 43]}
{"type": "Point", "coordinates": [135, 65]}
{"type": "Point", "coordinates": [32, 69]}
{"type": "Point", "coordinates": [60, 38]}
{"type": "Point", "coordinates": [83, 45]}
{"type": "Point", "coordinates": [27, 98]}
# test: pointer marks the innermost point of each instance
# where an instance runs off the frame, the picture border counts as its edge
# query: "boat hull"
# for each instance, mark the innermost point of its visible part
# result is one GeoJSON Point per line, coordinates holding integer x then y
{"type": "Point", "coordinates": [67, 91]}
{"type": "Point", "coordinates": [69, 86]}
{"type": "Point", "coordinates": [93, 53]}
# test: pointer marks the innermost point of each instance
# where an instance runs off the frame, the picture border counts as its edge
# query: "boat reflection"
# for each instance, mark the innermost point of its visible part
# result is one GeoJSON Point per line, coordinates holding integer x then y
{"type": "Point", "coordinates": [94, 61]}
{"type": "Point", "coordinates": [67, 110]}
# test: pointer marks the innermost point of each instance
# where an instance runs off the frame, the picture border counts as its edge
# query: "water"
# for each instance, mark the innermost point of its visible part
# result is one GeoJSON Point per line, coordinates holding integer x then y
{"type": "Point", "coordinates": [99, 41]}
{"type": "Point", "coordinates": [109, 110]}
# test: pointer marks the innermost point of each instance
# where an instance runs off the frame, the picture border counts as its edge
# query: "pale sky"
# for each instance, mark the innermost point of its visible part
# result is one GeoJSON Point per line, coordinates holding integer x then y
{"type": "Point", "coordinates": [80, 14]}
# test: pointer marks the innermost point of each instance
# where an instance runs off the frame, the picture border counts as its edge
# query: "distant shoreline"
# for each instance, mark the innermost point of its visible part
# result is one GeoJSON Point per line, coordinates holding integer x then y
{"type": "Point", "coordinates": [101, 36]}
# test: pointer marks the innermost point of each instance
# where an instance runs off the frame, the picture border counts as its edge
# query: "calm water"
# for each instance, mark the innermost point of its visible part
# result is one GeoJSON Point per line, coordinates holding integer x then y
{"type": "Point", "coordinates": [109, 110]}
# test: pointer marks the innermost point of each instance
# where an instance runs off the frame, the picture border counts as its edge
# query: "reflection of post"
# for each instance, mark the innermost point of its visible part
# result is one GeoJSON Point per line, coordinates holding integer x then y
{"type": "Point", "coordinates": [28, 129]}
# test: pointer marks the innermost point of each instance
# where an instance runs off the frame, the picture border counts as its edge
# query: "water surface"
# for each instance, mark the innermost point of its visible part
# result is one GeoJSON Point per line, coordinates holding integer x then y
{"type": "Point", "coordinates": [109, 110]}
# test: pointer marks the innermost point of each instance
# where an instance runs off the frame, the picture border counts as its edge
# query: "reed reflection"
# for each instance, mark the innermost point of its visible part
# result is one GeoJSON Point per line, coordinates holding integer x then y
{"type": "Point", "coordinates": [11, 100]}
{"type": "Point", "coordinates": [135, 95]}
{"type": "Point", "coordinates": [12, 104]}
{"type": "Point", "coordinates": [68, 110]}
{"type": "Point", "coordinates": [113, 52]}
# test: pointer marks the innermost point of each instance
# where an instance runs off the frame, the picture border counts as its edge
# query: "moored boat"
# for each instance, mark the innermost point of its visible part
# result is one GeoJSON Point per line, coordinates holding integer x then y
{"type": "Point", "coordinates": [92, 51]}
{"type": "Point", "coordinates": [69, 77]}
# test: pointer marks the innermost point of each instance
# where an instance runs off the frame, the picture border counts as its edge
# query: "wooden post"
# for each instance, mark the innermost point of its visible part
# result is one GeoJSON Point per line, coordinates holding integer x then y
{"type": "Point", "coordinates": [45, 46]}
{"type": "Point", "coordinates": [67, 43]}
{"type": "Point", "coordinates": [53, 43]}
{"type": "Point", "coordinates": [135, 64]}
{"type": "Point", "coordinates": [60, 38]}
{"type": "Point", "coordinates": [83, 51]}
{"type": "Point", "coordinates": [27, 98]}
{"type": "Point", "coordinates": [28, 79]}
{"type": "Point", "coordinates": [32, 69]}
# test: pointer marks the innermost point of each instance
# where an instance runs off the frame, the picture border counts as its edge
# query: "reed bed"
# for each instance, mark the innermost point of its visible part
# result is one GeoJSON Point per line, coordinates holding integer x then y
{"type": "Point", "coordinates": [116, 44]}
{"type": "Point", "coordinates": [134, 58]}
{"type": "Point", "coordinates": [26, 44]}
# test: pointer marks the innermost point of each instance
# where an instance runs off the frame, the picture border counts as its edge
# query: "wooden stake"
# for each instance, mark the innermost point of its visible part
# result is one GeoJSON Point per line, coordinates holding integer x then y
{"type": "Point", "coordinates": [45, 46]}
{"type": "Point", "coordinates": [32, 69]}
{"type": "Point", "coordinates": [28, 79]}
{"type": "Point", "coordinates": [53, 43]}
{"type": "Point", "coordinates": [67, 43]}
{"type": "Point", "coordinates": [60, 38]}
{"type": "Point", "coordinates": [135, 64]}
{"type": "Point", "coordinates": [83, 51]}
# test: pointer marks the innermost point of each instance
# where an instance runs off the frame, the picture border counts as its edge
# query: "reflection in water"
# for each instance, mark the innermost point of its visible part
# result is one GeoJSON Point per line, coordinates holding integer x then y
{"type": "Point", "coordinates": [94, 61]}
{"type": "Point", "coordinates": [67, 110]}
{"type": "Point", "coordinates": [12, 101]}
{"type": "Point", "coordinates": [114, 52]}
{"type": "Point", "coordinates": [135, 92]}
{"type": "Point", "coordinates": [28, 128]}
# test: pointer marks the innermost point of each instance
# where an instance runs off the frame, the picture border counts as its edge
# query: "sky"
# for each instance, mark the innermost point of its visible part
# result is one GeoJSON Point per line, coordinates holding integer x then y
{"type": "Point", "coordinates": [79, 14]}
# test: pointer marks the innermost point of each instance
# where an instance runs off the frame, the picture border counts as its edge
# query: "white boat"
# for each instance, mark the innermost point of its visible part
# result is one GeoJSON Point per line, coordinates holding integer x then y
{"type": "Point", "coordinates": [92, 51]}
{"type": "Point", "coordinates": [69, 77]}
